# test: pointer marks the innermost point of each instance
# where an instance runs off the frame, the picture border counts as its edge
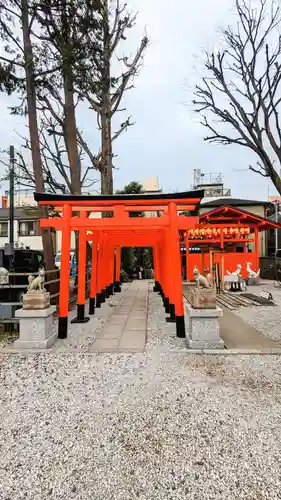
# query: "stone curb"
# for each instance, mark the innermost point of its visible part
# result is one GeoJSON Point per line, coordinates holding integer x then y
{"type": "Point", "coordinates": [188, 352]}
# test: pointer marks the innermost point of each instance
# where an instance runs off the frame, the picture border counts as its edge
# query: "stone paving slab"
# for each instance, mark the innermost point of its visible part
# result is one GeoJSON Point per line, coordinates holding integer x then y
{"type": "Point", "coordinates": [105, 345]}
{"type": "Point", "coordinates": [134, 341]}
{"type": "Point", "coordinates": [126, 329]}
{"type": "Point", "coordinates": [138, 324]}
{"type": "Point", "coordinates": [117, 321]}
{"type": "Point", "coordinates": [111, 333]}
{"type": "Point", "coordinates": [237, 334]}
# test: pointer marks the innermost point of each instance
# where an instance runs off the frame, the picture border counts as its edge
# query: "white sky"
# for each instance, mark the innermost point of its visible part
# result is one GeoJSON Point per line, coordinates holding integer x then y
{"type": "Point", "coordinates": [167, 140]}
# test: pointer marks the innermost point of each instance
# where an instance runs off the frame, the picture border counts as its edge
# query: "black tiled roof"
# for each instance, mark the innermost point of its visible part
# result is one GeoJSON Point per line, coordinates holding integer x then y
{"type": "Point", "coordinates": [156, 196]}
{"type": "Point", "coordinates": [223, 202]}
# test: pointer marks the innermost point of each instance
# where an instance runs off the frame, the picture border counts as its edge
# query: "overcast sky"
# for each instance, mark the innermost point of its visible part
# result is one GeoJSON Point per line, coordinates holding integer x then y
{"type": "Point", "coordinates": [167, 140]}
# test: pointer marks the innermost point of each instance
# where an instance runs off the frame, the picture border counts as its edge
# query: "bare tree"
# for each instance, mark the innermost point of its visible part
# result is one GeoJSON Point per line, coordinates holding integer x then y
{"type": "Point", "coordinates": [91, 76]}
{"type": "Point", "coordinates": [239, 99]}
{"type": "Point", "coordinates": [57, 31]}
{"type": "Point", "coordinates": [54, 161]}
{"type": "Point", "coordinates": [18, 73]}
{"type": "Point", "coordinates": [105, 89]}
{"type": "Point", "coordinates": [76, 45]}
{"type": "Point", "coordinates": [54, 141]}
{"type": "Point", "coordinates": [64, 26]}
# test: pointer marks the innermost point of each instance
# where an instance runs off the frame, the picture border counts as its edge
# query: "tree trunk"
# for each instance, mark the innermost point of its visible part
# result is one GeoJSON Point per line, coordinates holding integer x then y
{"type": "Point", "coordinates": [33, 131]}
{"type": "Point", "coordinates": [71, 134]}
{"type": "Point", "coordinates": [276, 179]}
{"type": "Point", "coordinates": [106, 171]}
{"type": "Point", "coordinates": [106, 114]}
{"type": "Point", "coordinates": [70, 127]}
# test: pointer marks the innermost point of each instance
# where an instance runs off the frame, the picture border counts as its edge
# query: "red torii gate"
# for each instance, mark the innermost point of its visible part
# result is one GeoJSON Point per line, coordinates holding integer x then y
{"type": "Point", "coordinates": [109, 234]}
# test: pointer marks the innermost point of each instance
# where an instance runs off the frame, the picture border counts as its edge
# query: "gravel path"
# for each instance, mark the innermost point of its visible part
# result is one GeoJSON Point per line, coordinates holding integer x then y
{"type": "Point", "coordinates": [158, 425]}
{"type": "Point", "coordinates": [265, 319]}
{"type": "Point", "coordinates": [82, 336]}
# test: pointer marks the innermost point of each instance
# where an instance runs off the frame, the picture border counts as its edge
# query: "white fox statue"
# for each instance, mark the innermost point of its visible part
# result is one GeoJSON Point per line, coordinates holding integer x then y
{"type": "Point", "coordinates": [251, 273]}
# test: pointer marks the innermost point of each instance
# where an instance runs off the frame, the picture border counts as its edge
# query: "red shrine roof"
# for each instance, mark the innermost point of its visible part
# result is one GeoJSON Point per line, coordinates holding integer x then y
{"type": "Point", "coordinates": [228, 214]}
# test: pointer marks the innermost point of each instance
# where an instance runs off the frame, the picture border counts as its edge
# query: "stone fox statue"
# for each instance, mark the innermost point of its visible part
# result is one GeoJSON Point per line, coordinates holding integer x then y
{"type": "Point", "coordinates": [201, 281]}
{"type": "Point", "coordinates": [37, 284]}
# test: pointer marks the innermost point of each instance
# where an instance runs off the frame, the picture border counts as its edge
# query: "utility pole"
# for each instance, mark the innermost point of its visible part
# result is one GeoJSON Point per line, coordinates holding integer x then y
{"type": "Point", "coordinates": [9, 247]}
{"type": "Point", "coordinates": [11, 189]}
{"type": "Point", "coordinates": [276, 230]}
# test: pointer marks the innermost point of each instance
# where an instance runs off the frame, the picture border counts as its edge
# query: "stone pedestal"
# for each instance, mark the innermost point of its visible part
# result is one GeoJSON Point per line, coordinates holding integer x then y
{"type": "Point", "coordinates": [253, 281]}
{"type": "Point", "coordinates": [203, 298]}
{"type": "Point", "coordinates": [233, 283]}
{"type": "Point", "coordinates": [36, 300]}
{"type": "Point", "coordinates": [203, 330]}
{"type": "Point", "coordinates": [37, 329]}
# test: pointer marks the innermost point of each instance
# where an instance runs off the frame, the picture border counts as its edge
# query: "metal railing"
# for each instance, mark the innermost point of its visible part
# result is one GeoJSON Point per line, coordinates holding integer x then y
{"type": "Point", "coordinates": [8, 283]}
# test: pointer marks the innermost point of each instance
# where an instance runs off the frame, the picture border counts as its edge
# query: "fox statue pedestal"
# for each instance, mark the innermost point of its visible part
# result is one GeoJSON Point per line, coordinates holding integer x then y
{"type": "Point", "coordinates": [203, 328]}
{"type": "Point", "coordinates": [203, 315]}
{"type": "Point", "coordinates": [36, 300]}
{"type": "Point", "coordinates": [37, 328]}
{"type": "Point", "coordinates": [36, 318]}
{"type": "Point", "coordinates": [204, 298]}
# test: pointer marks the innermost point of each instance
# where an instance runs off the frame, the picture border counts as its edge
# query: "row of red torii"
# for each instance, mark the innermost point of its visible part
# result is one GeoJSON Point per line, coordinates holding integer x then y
{"type": "Point", "coordinates": [109, 234]}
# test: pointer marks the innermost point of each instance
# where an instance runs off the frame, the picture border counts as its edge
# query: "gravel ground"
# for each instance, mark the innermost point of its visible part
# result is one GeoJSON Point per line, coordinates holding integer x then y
{"type": "Point", "coordinates": [265, 319]}
{"type": "Point", "coordinates": [158, 425]}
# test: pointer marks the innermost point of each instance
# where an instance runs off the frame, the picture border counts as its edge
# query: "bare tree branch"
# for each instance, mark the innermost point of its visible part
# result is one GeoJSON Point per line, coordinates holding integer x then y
{"type": "Point", "coordinates": [126, 77]}
{"type": "Point", "coordinates": [105, 91]}
{"type": "Point", "coordinates": [241, 88]}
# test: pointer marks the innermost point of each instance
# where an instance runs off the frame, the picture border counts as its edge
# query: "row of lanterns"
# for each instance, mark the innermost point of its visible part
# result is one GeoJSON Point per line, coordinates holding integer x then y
{"type": "Point", "coordinates": [215, 232]}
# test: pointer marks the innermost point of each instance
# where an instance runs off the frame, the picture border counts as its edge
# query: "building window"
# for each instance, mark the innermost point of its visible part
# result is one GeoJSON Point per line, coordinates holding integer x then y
{"type": "Point", "coordinates": [27, 228]}
{"type": "Point", "coordinates": [4, 229]}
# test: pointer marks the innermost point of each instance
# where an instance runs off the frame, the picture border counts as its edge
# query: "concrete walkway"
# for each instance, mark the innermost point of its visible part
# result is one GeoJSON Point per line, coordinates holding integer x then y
{"type": "Point", "coordinates": [237, 334]}
{"type": "Point", "coordinates": [126, 329]}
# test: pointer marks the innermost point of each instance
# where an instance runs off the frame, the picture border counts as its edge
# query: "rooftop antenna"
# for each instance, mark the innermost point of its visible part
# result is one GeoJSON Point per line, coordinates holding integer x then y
{"type": "Point", "coordinates": [197, 176]}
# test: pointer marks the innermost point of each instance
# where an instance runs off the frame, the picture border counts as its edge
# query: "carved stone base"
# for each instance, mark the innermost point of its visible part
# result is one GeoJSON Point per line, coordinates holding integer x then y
{"type": "Point", "coordinates": [203, 328]}
{"type": "Point", "coordinates": [203, 298]}
{"type": "Point", "coordinates": [36, 300]}
{"type": "Point", "coordinates": [37, 328]}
